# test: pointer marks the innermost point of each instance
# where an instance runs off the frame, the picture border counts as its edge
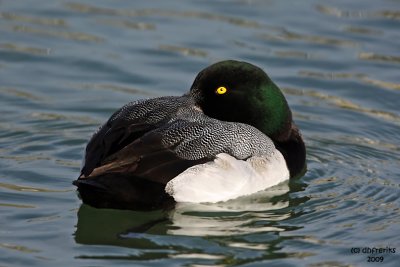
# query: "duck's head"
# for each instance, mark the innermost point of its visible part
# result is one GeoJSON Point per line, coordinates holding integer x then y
{"type": "Point", "coordinates": [241, 92]}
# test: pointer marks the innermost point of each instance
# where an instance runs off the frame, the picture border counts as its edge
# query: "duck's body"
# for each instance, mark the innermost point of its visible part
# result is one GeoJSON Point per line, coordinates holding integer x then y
{"type": "Point", "coordinates": [165, 149]}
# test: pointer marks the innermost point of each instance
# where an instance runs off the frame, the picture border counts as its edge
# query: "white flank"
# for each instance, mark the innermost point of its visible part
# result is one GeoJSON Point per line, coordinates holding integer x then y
{"type": "Point", "coordinates": [227, 178]}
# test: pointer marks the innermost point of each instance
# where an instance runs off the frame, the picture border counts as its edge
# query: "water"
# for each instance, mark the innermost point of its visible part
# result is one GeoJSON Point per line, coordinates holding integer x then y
{"type": "Point", "coordinates": [65, 66]}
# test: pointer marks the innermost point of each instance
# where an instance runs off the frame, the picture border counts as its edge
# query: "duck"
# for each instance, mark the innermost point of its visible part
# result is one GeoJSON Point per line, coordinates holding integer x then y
{"type": "Point", "coordinates": [230, 136]}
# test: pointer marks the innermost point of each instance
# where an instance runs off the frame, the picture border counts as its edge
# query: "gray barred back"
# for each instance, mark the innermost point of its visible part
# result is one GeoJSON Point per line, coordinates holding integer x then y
{"type": "Point", "coordinates": [192, 134]}
{"type": "Point", "coordinates": [149, 111]}
{"type": "Point", "coordinates": [196, 136]}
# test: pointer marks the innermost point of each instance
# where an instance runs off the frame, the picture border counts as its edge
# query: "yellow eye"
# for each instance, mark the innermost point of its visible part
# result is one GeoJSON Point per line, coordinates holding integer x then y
{"type": "Point", "coordinates": [221, 90]}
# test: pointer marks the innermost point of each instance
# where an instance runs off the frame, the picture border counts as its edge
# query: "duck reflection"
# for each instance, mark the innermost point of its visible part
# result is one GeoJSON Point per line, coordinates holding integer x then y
{"type": "Point", "coordinates": [243, 215]}
{"type": "Point", "coordinates": [258, 212]}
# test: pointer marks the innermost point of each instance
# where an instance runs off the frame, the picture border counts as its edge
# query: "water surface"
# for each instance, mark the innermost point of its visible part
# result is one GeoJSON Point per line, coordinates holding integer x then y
{"type": "Point", "coordinates": [65, 66]}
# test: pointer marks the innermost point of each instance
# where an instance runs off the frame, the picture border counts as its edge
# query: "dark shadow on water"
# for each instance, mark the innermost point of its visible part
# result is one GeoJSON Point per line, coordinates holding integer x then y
{"type": "Point", "coordinates": [107, 226]}
{"type": "Point", "coordinates": [263, 212]}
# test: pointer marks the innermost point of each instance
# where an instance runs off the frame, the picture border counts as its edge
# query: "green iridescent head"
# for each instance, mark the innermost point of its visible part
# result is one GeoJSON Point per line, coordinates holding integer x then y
{"type": "Point", "coordinates": [241, 92]}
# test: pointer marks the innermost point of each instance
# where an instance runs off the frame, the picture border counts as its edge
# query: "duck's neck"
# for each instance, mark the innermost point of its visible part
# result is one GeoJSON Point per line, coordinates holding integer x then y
{"type": "Point", "coordinates": [277, 123]}
{"type": "Point", "coordinates": [292, 147]}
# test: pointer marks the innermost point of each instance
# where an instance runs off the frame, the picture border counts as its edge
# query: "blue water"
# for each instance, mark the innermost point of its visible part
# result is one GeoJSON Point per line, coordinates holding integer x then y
{"type": "Point", "coordinates": [65, 66]}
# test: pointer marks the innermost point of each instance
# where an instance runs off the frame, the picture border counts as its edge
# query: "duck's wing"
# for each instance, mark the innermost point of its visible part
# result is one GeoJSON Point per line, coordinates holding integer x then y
{"type": "Point", "coordinates": [135, 176]}
{"type": "Point", "coordinates": [125, 126]}
{"type": "Point", "coordinates": [146, 158]}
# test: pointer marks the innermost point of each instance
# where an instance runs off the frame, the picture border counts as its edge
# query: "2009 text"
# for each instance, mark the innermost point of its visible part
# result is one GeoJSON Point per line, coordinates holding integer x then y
{"type": "Point", "coordinates": [375, 259]}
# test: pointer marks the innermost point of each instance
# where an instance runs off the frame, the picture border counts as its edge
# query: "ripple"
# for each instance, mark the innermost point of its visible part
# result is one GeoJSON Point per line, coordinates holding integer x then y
{"type": "Point", "coordinates": [19, 248]}
{"type": "Point", "coordinates": [27, 158]}
{"type": "Point", "coordinates": [128, 24]}
{"type": "Point", "coordinates": [363, 202]}
{"type": "Point", "coordinates": [334, 11]}
{"type": "Point", "coordinates": [337, 12]}
{"type": "Point", "coordinates": [344, 104]}
{"type": "Point", "coordinates": [294, 54]}
{"type": "Point", "coordinates": [365, 142]}
{"type": "Point", "coordinates": [76, 36]}
{"type": "Point", "coordinates": [13, 205]}
{"type": "Point", "coordinates": [261, 247]}
{"type": "Point", "coordinates": [30, 189]}
{"type": "Point", "coordinates": [363, 30]}
{"type": "Point", "coordinates": [163, 13]}
{"type": "Point", "coordinates": [21, 94]}
{"type": "Point", "coordinates": [330, 75]}
{"type": "Point", "coordinates": [197, 256]}
{"type": "Point", "coordinates": [25, 49]}
{"type": "Point", "coordinates": [116, 88]}
{"type": "Point", "coordinates": [33, 20]}
{"type": "Point", "coordinates": [64, 118]}
{"type": "Point", "coordinates": [93, 9]}
{"type": "Point", "coordinates": [183, 50]}
{"type": "Point", "coordinates": [381, 84]}
{"type": "Point", "coordinates": [286, 35]}
{"type": "Point", "coordinates": [359, 76]}
{"type": "Point", "coordinates": [44, 218]}
{"type": "Point", "coordinates": [378, 57]}
{"type": "Point", "coordinates": [389, 14]}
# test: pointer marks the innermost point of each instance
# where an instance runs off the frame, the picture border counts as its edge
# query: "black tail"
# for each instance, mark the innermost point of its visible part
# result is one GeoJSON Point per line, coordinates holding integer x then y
{"type": "Point", "coordinates": [122, 192]}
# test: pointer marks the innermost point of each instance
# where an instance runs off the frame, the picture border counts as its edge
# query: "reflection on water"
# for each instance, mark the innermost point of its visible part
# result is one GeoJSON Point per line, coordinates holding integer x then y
{"type": "Point", "coordinates": [234, 217]}
{"type": "Point", "coordinates": [233, 223]}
